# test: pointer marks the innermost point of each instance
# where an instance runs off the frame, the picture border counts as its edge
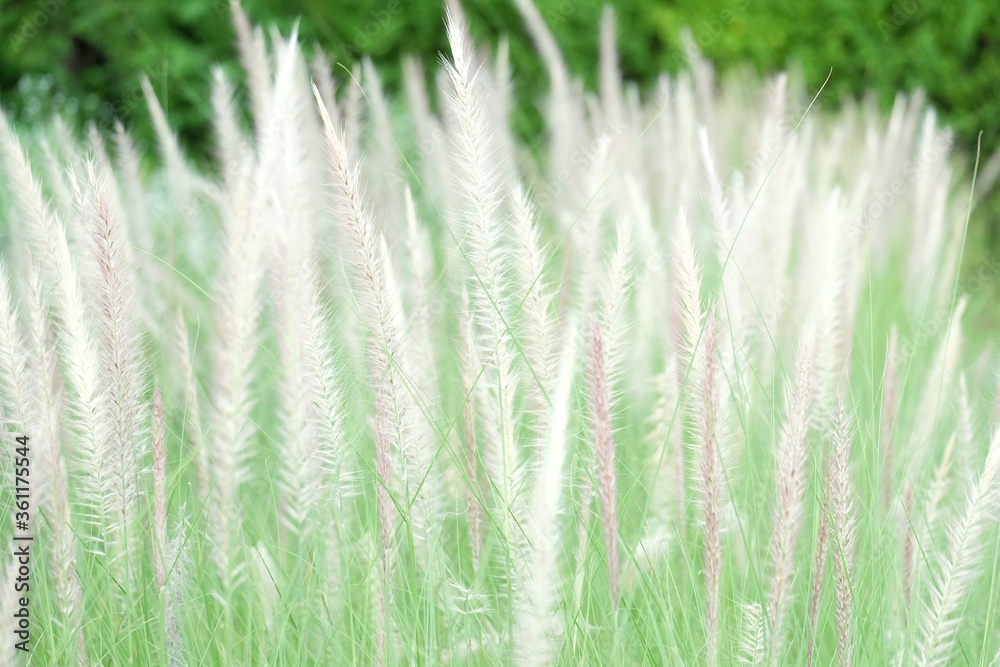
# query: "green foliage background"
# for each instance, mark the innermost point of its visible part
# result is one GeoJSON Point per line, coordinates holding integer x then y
{"type": "Point", "coordinates": [85, 58]}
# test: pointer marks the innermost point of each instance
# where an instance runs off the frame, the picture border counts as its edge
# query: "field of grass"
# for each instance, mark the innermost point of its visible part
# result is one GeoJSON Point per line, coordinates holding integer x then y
{"type": "Point", "coordinates": [685, 384]}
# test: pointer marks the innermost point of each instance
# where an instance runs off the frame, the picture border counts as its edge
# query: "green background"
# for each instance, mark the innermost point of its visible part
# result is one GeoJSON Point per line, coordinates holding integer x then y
{"type": "Point", "coordinates": [85, 57]}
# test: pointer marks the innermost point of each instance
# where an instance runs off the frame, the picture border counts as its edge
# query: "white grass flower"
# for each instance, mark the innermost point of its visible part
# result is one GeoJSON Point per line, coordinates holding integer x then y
{"type": "Point", "coordinates": [361, 315]}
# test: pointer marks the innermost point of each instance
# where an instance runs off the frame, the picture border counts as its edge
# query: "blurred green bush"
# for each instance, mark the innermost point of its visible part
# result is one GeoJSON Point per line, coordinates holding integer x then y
{"type": "Point", "coordinates": [85, 58]}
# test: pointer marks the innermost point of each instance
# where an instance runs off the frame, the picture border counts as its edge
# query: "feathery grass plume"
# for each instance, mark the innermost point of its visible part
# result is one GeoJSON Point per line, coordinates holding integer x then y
{"type": "Point", "coordinates": [959, 568]}
{"type": "Point", "coordinates": [706, 414]}
{"type": "Point", "coordinates": [667, 492]}
{"type": "Point", "coordinates": [833, 302]}
{"type": "Point", "coordinates": [790, 482]}
{"type": "Point", "coordinates": [33, 235]}
{"type": "Point", "coordinates": [427, 128]}
{"type": "Point", "coordinates": [415, 453]}
{"type": "Point", "coordinates": [295, 133]}
{"type": "Point", "coordinates": [423, 375]}
{"type": "Point", "coordinates": [890, 381]}
{"type": "Point", "coordinates": [98, 149]}
{"type": "Point", "coordinates": [610, 75]}
{"type": "Point", "coordinates": [536, 618]}
{"type": "Point", "coordinates": [470, 379]}
{"type": "Point", "coordinates": [393, 402]}
{"type": "Point", "coordinates": [159, 490]}
{"type": "Point", "coordinates": [650, 280]}
{"type": "Point", "coordinates": [351, 112]}
{"type": "Point", "coordinates": [500, 103]}
{"type": "Point", "coordinates": [935, 246]}
{"type": "Point", "coordinates": [563, 113]}
{"type": "Point", "coordinates": [294, 241]}
{"type": "Point", "coordinates": [322, 75]}
{"type": "Point", "coordinates": [68, 145]}
{"type": "Point", "coordinates": [819, 566]}
{"type": "Point", "coordinates": [614, 299]}
{"type": "Point", "coordinates": [487, 256]}
{"type": "Point", "coordinates": [936, 493]}
{"type": "Point", "coordinates": [686, 295]}
{"type": "Point", "coordinates": [382, 579]}
{"type": "Point", "coordinates": [127, 163]}
{"type": "Point", "coordinates": [178, 555]}
{"type": "Point", "coordinates": [88, 403]}
{"type": "Point", "coordinates": [536, 305]}
{"type": "Point", "coordinates": [420, 277]}
{"type": "Point", "coordinates": [26, 192]}
{"type": "Point", "coordinates": [843, 527]}
{"type": "Point", "coordinates": [237, 318]}
{"type": "Point", "coordinates": [371, 267]}
{"type": "Point", "coordinates": [752, 640]}
{"type": "Point", "coordinates": [687, 286]}
{"type": "Point", "coordinates": [296, 208]}
{"type": "Point", "coordinates": [468, 607]}
{"type": "Point", "coordinates": [55, 498]}
{"type": "Point", "coordinates": [937, 386]}
{"type": "Point", "coordinates": [233, 350]}
{"type": "Point", "coordinates": [382, 160]}
{"type": "Point", "coordinates": [15, 391]}
{"type": "Point", "coordinates": [231, 149]}
{"type": "Point", "coordinates": [55, 179]}
{"type": "Point", "coordinates": [192, 411]}
{"type": "Point", "coordinates": [587, 229]}
{"type": "Point", "coordinates": [328, 469]}
{"type": "Point", "coordinates": [612, 291]}
{"type": "Point", "coordinates": [775, 129]}
{"type": "Point", "coordinates": [604, 453]}
{"type": "Point", "coordinates": [39, 220]}
{"type": "Point", "coordinates": [181, 179]}
{"type": "Point", "coordinates": [121, 354]}
{"type": "Point", "coordinates": [725, 234]}
{"type": "Point", "coordinates": [256, 64]}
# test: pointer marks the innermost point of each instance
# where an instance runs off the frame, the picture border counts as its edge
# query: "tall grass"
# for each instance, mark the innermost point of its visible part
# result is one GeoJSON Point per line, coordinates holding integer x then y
{"type": "Point", "coordinates": [686, 383]}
